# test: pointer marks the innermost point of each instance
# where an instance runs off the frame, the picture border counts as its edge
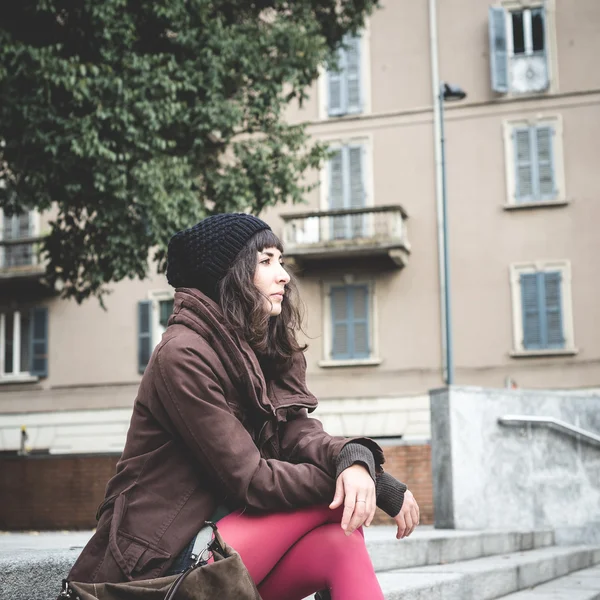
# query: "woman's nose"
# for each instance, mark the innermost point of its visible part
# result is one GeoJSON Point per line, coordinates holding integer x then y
{"type": "Point", "coordinates": [284, 276]}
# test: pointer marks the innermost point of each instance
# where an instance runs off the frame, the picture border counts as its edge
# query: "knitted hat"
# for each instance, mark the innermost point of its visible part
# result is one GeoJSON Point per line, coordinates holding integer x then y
{"type": "Point", "coordinates": [200, 256]}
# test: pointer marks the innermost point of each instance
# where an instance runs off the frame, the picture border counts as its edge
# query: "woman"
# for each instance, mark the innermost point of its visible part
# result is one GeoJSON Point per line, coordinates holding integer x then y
{"type": "Point", "coordinates": [220, 427]}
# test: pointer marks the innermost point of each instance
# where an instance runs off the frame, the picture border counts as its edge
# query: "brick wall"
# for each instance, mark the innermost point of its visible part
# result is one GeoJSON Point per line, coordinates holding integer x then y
{"type": "Point", "coordinates": [63, 492]}
{"type": "Point", "coordinates": [412, 465]}
{"type": "Point", "coordinates": [52, 492]}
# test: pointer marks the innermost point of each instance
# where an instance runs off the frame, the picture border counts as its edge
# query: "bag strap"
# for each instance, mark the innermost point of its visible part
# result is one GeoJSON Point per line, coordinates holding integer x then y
{"type": "Point", "coordinates": [216, 544]}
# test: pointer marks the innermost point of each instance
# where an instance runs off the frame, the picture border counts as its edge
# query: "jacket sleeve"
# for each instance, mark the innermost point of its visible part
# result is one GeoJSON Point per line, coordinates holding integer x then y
{"type": "Point", "coordinates": [194, 401]}
{"type": "Point", "coordinates": [302, 438]}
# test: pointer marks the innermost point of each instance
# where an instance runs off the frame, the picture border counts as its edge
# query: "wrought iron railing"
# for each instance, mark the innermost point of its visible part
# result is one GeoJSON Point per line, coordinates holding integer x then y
{"type": "Point", "coordinates": [378, 225]}
{"type": "Point", "coordinates": [19, 254]}
{"type": "Point", "coordinates": [552, 423]}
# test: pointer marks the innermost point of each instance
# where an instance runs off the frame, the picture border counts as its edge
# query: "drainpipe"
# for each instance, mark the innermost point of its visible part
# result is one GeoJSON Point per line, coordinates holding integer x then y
{"type": "Point", "coordinates": [439, 181]}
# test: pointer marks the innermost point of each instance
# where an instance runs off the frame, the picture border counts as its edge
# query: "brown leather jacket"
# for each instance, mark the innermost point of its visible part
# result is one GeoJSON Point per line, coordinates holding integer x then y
{"type": "Point", "coordinates": [206, 430]}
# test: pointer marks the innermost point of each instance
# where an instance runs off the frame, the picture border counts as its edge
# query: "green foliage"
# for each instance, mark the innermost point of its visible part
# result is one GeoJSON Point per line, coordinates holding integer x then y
{"type": "Point", "coordinates": [129, 120]}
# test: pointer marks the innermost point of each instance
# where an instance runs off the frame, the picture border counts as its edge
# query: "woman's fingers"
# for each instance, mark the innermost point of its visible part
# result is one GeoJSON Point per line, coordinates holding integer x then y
{"type": "Point", "coordinates": [338, 497]}
{"type": "Point", "coordinates": [401, 525]}
{"type": "Point", "coordinates": [349, 508]}
{"type": "Point", "coordinates": [371, 507]}
{"type": "Point", "coordinates": [363, 509]}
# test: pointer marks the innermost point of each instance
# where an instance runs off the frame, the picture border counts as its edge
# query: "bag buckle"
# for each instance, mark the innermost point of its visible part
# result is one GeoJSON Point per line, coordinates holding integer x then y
{"type": "Point", "coordinates": [66, 590]}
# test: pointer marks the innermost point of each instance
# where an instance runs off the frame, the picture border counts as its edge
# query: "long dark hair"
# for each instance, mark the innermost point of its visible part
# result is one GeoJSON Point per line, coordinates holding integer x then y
{"type": "Point", "coordinates": [272, 338]}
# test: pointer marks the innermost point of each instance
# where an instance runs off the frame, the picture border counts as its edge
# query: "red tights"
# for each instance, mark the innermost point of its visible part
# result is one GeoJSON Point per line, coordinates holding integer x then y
{"type": "Point", "coordinates": [294, 554]}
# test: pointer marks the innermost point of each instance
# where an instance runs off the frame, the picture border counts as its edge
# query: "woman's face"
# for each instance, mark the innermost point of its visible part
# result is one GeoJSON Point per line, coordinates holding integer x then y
{"type": "Point", "coordinates": [271, 278]}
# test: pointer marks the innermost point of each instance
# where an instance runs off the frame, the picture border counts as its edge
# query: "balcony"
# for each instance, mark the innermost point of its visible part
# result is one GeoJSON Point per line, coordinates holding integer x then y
{"type": "Point", "coordinates": [376, 233]}
{"type": "Point", "coordinates": [21, 270]}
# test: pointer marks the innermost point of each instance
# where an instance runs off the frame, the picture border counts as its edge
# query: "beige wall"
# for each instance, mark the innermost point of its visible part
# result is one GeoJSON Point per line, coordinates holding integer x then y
{"type": "Point", "coordinates": [89, 347]}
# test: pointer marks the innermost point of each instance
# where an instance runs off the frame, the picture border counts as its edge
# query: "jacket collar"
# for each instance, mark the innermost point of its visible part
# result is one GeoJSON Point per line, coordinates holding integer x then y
{"type": "Point", "coordinates": [197, 311]}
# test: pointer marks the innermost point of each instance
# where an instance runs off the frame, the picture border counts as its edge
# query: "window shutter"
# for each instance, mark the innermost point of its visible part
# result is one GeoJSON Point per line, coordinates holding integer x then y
{"type": "Point", "coordinates": [356, 177]}
{"type": "Point", "coordinates": [336, 104]}
{"type": "Point", "coordinates": [166, 309]}
{"type": "Point", "coordinates": [336, 180]}
{"type": "Point", "coordinates": [356, 191]}
{"type": "Point", "coordinates": [38, 354]}
{"type": "Point", "coordinates": [545, 163]}
{"type": "Point", "coordinates": [352, 75]}
{"type": "Point", "coordinates": [360, 321]}
{"type": "Point", "coordinates": [552, 297]}
{"type": "Point", "coordinates": [498, 51]}
{"type": "Point", "coordinates": [523, 165]}
{"type": "Point", "coordinates": [530, 306]}
{"type": "Point", "coordinates": [540, 45]}
{"type": "Point", "coordinates": [144, 334]}
{"type": "Point", "coordinates": [336, 193]}
{"type": "Point", "coordinates": [339, 319]}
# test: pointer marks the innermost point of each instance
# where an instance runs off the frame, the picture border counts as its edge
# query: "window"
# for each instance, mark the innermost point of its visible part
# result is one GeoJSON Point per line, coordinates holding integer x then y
{"type": "Point", "coordinates": [153, 316]}
{"type": "Point", "coordinates": [344, 86]}
{"type": "Point", "coordinates": [534, 160]}
{"type": "Point", "coordinates": [17, 227]}
{"type": "Point", "coordinates": [347, 190]}
{"type": "Point", "coordinates": [24, 344]}
{"type": "Point", "coordinates": [518, 49]}
{"type": "Point", "coordinates": [349, 323]}
{"type": "Point", "coordinates": [542, 308]}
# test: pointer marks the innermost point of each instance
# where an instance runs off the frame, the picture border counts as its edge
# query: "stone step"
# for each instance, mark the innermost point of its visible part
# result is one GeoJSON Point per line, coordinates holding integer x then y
{"type": "Point", "coordinates": [581, 585]}
{"type": "Point", "coordinates": [487, 578]}
{"type": "Point", "coordinates": [429, 546]}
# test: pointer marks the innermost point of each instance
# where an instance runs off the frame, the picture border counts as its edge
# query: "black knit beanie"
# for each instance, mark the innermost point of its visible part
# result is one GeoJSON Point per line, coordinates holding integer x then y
{"type": "Point", "coordinates": [199, 257]}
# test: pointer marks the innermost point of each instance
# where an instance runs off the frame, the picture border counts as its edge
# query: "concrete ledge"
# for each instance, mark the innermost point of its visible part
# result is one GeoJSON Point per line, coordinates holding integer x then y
{"type": "Point", "coordinates": [32, 565]}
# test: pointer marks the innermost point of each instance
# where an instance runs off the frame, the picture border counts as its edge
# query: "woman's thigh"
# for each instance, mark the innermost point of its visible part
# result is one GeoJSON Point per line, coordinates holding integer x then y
{"type": "Point", "coordinates": [263, 539]}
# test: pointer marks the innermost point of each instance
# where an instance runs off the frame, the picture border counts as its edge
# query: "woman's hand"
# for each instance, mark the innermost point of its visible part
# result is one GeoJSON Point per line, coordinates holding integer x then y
{"type": "Point", "coordinates": [408, 517]}
{"type": "Point", "coordinates": [356, 490]}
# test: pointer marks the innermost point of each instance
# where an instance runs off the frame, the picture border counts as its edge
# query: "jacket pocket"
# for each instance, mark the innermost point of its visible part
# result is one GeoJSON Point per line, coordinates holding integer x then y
{"type": "Point", "coordinates": [135, 556]}
{"type": "Point", "coordinates": [140, 557]}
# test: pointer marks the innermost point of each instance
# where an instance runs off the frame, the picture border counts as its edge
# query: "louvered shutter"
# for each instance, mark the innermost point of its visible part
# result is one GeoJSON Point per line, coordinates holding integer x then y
{"type": "Point", "coordinates": [553, 313]}
{"type": "Point", "coordinates": [356, 223]}
{"type": "Point", "coordinates": [540, 13]}
{"type": "Point", "coordinates": [531, 314]}
{"type": "Point", "coordinates": [144, 334]}
{"type": "Point", "coordinates": [166, 309]}
{"type": "Point", "coordinates": [335, 92]}
{"type": "Point", "coordinates": [360, 321]}
{"type": "Point", "coordinates": [38, 342]}
{"type": "Point", "coordinates": [524, 184]}
{"type": "Point", "coordinates": [352, 75]}
{"type": "Point", "coordinates": [339, 319]}
{"type": "Point", "coordinates": [336, 193]}
{"type": "Point", "coordinates": [545, 163]}
{"type": "Point", "coordinates": [498, 49]}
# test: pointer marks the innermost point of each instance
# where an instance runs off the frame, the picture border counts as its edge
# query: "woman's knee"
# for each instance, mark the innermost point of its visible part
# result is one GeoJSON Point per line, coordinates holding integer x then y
{"type": "Point", "coordinates": [339, 544]}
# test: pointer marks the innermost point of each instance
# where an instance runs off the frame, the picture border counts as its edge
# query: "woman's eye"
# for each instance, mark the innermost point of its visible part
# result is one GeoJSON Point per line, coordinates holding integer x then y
{"type": "Point", "coordinates": [265, 261]}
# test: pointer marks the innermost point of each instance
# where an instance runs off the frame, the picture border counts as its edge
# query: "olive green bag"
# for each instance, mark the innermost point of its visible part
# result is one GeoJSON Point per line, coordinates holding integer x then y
{"type": "Point", "coordinates": [225, 578]}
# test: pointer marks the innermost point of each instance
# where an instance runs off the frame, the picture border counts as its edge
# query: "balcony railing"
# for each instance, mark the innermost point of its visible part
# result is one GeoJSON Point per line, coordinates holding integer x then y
{"type": "Point", "coordinates": [371, 231]}
{"type": "Point", "coordinates": [20, 257]}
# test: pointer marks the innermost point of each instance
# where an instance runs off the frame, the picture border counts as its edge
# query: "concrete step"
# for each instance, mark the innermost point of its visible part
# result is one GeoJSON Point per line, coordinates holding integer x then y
{"type": "Point", "coordinates": [487, 578]}
{"type": "Point", "coordinates": [581, 585]}
{"type": "Point", "coordinates": [429, 546]}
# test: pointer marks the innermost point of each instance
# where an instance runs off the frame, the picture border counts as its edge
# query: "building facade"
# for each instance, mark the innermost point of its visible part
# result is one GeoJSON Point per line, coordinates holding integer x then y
{"type": "Point", "coordinates": [522, 187]}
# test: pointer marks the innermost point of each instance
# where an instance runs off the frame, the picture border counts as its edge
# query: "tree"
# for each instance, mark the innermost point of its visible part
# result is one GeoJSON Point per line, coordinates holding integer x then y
{"type": "Point", "coordinates": [130, 119]}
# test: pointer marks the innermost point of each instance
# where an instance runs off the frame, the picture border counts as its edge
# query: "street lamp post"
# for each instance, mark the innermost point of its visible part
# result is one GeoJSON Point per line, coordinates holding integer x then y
{"type": "Point", "coordinates": [447, 92]}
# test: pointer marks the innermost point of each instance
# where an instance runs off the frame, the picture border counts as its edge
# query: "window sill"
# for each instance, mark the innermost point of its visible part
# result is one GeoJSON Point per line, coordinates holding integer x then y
{"type": "Point", "coordinates": [543, 353]}
{"type": "Point", "coordinates": [539, 204]}
{"type": "Point", "coordinates": [352, 362]}
{"type": "Point", "coordinates": [8, 379]}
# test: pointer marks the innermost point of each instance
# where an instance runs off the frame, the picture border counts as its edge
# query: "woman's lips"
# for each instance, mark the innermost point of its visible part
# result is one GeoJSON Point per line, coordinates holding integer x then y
{"type": "Point", "coordinates": [277, 296]}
